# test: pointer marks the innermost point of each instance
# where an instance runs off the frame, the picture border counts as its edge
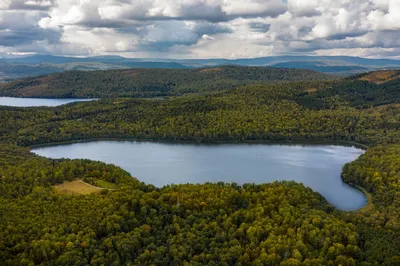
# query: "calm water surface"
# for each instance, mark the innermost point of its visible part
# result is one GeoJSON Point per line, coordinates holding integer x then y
{"type": "Point", "coordinates": [316, 166]}
{"type": "Point", "coordinates": [32, 102]}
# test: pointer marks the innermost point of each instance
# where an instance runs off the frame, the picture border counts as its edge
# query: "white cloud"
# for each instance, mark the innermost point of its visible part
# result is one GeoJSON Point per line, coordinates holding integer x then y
{"type": "Point", "coordinates": [303, 8]}
{"type": "Point", "coordinates": [389, 20]}
{"type": "Point", "coordinates": [39, 3]}
{"type": "Point", "coordinates": [251, 8]}
{"type": "Point", "coordinates": [200, 28]}
{"type": "Point", "coordinates": [26, 4]}
{"type": "Point", "coordinates": [5, 4]}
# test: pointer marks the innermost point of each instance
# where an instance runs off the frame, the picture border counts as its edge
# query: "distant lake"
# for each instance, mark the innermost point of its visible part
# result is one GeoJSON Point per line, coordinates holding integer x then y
{"type": "Point", "coordinates": [316, 166]}
{"type": "Point", "coordinates": [34, 102]}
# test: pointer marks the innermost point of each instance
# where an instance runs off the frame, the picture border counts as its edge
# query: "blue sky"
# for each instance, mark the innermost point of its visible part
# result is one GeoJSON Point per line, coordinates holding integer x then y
{"type": "Point", "coordinates": [200, 28]}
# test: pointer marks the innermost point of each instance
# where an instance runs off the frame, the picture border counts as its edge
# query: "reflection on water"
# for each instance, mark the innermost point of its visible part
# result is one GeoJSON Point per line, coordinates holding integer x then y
{"type": "Point", "coordinates": [316, 166]}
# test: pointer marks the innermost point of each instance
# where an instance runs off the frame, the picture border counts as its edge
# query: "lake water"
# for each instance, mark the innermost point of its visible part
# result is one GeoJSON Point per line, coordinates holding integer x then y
{"type": "Point", "coordinates": [34, 102]}
{"type": "Point", "coordinates": [316, 166]}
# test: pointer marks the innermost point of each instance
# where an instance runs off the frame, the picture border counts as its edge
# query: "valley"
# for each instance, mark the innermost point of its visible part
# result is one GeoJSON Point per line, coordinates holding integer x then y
{"type": "Point", "coordinates": [219, 221]}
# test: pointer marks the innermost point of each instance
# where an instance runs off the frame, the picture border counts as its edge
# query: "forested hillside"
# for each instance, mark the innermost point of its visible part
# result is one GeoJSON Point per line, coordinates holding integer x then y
{"type": "Point", "coordinates": [151, 82]}
{"type": "Point", "coordinates": [378, 171]}
{"type": "Point", "coordinates": [13, 71]}
{"type": "Point", "coordinates": [360, 91]}
{"type": "Point", "coordinates": [268, 113]}
{"type": "Point", "coordinates": [281, 223]}
{"type": "Point", "coordinates": [378, 77]}
{"type": "Point", "coordinates": [357, 93]}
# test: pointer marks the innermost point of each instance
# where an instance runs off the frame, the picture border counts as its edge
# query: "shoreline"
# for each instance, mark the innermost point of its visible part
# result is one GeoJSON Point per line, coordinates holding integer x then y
{"type": "Point", "coordinates": [363, 147]}
{"type": "Point", "coordinates": [369, 200]}
{"type": "Point", "coordinates": [368, 197]}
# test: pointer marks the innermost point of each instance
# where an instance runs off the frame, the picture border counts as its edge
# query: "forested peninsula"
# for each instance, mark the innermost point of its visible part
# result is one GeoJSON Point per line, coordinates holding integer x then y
{"type": "Point", "coordinates": [282, 223]}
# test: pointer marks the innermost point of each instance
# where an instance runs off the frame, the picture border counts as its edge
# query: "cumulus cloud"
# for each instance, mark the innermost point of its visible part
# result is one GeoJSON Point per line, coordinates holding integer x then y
{"type": "Point", "coordinates": [200, 28]}
{"type": "Point", "coordinates": [19, 28]}
{"type": "Point", "coordinates": [26, 4]}
{"type": "Point", "coordinates": [304, 8]}
{"type": "Point", "coordinates": [163, 35]}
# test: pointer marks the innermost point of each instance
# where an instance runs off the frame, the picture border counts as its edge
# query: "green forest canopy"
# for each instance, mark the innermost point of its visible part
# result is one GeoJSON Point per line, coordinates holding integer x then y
{"type": "Point", "coordinates": [152, 82]}
{"type": "Point", "coordinates": [217, 224]}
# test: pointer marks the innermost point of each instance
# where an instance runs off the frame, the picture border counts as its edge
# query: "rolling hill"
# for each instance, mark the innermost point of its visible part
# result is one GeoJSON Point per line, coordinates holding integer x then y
{"type": "Point", "coordinates": [361, 91]}
{"type": "Point", "coordinates": [325, 67]}
{"type": "Point", "coordinates": [35, 67]}
{"type": "Point", "coordinates": [19, 67]}
{"type": "Point", "coordinates": [152, 82]}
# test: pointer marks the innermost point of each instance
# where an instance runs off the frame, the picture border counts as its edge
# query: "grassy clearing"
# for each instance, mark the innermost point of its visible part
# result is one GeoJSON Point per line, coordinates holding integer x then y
{"type": "Point", "coordinates": [311, 90]}
{"type": "Point", "coordinates": [370, 204]}
{"type": "Point", "coordinates": [380, 77]}
{"type": "Point", "coordinates": [77, 187]}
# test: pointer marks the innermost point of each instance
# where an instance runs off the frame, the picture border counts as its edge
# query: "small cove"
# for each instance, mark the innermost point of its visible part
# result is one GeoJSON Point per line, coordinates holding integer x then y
{"type": "Point", "coordinates": [158, 163]}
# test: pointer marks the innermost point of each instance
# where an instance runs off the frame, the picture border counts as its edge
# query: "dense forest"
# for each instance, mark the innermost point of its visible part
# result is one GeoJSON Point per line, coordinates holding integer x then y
{"type": "Point", "coordinates": [152, 82]}
{"type": "Point", "coordinates": [281, 223]}
{"type": "Point", "coordinates": [266, 113]}
{"type": "Point", "coordinates": [360, 91]}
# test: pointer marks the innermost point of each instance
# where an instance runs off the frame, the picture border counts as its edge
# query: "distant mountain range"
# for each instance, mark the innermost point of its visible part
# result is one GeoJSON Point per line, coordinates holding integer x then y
{"type": "Point", "coordinates": [14, 68]}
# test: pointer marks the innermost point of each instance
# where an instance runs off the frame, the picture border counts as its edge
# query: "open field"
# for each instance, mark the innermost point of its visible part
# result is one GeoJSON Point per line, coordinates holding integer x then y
{"type": "Point", "coordinates": [380, 77]}
{"type": "Point", "coordinates": [77, 187]}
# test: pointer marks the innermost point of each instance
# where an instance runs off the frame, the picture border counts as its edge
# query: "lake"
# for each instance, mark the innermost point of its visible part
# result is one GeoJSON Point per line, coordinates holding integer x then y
{"type": "Point", "coordinates": [316, 166]}
{"type": "Point", "coordinates": [35, 102]}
